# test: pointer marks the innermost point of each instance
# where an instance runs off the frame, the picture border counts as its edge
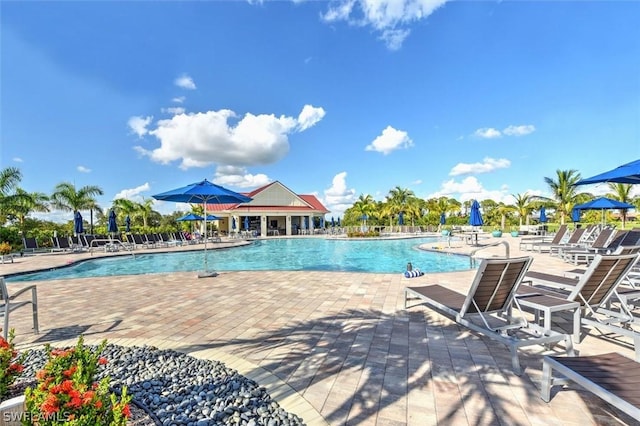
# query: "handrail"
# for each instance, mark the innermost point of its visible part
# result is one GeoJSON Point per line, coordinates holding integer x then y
{"type": "Point", "coordinates": [506, 245]}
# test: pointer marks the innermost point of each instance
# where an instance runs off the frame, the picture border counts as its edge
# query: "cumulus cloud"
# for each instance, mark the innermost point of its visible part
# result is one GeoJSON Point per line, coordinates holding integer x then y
{"type": "Point", "coordinates": [488, 133]}
{"type": "Point", "coordinates": [471, 189]}
{"type": "Point", "coordinates": [178, 99]}
{"type": "Point", "coordinates": [338, 197]}
{"type": "Point", "coordinates": [133, 194]}
{"type": "Point", "coordinates": [202, 139]}
{"type": "Point", "coordinates": [17, 160]}
{"type": "Point", "coordinates": [185, 82]}
{"type": "Point", "coordinates": [173, 110]}
{"type": "Point", "coordinates": [83, 169]}
{"type": "Point", "coordinates": [309, 117]}
{"type": "Point", "coordinates": [138, 125]}
{"type": "Point", "coordinates": [519, 130]}
{"type": "Point", "coordinates": [487, 165]}
{"type": "Point", "coordinates": [391, 19]}
{"type": "Point", "coordinates": [511, 130]}
{"type": "Point", "coordinates": [390, 140]}
{"type": "Point", "coordinates": [239, 177]}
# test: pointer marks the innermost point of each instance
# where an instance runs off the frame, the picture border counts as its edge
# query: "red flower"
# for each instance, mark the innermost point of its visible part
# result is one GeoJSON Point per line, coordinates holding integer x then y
{"type": "Point", "coordinates": [50, 405]}
{"type": "Point", "coordinates": [126, 411]}
{"type": "Point", "coordinates": [102, 361]}
{"type": "Point", "coordinates": [70, 371]}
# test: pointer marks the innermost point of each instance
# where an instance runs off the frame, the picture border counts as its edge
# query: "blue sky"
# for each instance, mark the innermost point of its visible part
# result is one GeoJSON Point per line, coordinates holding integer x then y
{"type": "Point", "coordinates": [340, 98]}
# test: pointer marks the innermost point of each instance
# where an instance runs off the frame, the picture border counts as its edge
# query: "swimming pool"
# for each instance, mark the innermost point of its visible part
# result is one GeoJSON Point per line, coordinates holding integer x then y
{"type": "Point", "coordinates": [303, 254]}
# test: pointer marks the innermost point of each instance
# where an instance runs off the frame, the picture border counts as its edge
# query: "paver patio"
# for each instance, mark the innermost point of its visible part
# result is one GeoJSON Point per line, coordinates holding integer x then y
{"type": "Point", "coordinates": [333, 347]}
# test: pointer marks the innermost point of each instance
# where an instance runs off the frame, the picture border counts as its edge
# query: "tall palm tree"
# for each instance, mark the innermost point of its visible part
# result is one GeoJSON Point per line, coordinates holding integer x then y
{"type": "Point", "coordinates": [365, 205]}
{"type": "Point", "coordinates": [564, 191]}
{"type": "Point", "coordinates": [67, 197]}
{"type": "Point", "coordinates": [622, 193]}
{"type": "Point", "coordinates": [10, 177]}
{"type": "Point", "coordinates": [523, 206]}
{"type": "Point", "coordinates": [398, 199]}
{"type": "Point", "coordinates": [144, 210]}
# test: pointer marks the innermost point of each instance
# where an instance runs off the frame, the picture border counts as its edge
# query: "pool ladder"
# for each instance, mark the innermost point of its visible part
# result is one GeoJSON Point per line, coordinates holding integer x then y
{"type": "Point", "coordinates": [472, 260]}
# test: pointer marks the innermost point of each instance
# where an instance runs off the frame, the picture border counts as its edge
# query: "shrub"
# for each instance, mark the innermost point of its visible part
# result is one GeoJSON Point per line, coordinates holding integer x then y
{"type": "Point", "coordinates": [67, 393]}
{"type": "Point", "coordinates": [10, 364]}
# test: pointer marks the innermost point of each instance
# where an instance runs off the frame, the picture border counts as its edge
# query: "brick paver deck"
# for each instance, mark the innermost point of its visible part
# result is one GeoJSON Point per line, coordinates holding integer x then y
{"type": "Point", "coordinates": [333, 347]}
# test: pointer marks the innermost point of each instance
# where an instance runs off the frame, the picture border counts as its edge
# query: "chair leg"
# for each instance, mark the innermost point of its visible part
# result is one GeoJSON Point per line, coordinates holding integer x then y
{"type": "Point", "coordinates": [5, 329]}
{"type": "Point", "coordinates": [545, 391]}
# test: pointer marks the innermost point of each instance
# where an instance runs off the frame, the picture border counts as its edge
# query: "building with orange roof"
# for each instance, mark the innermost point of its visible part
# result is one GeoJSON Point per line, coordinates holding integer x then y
{"type": "Point", "coordinates": [273, 210]}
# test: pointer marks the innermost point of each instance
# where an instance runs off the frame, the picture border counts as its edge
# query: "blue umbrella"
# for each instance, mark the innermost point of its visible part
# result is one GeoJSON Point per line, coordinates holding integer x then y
{"type": "Point", "coordinates": [443, 219]}
{"type": "Point", "coordinates": [233, 223]}
{"type": "Point", "coordinates": [246, 223]}
{"type": "Point", "coordinates": [627, 173]}
{"type": "Point", "coordinates": [112, 226]}
{"type": "Point", "coordinates": [333, 222]}
{"type": "Point", "coordinates": [338, 221]}
{"type": "Point", "coordinates": [127, 224]}
{"type": "Point", "coordinates": [575, 215]}
{"type": "Point", "coordinates": [189, 217]}
{"type": "Point", "coordinates": [306, 222]}
{"type": "Point", "coordinates": [203, 192]}
{"type": "Point", "coordinates": [475, 219]}
{"type": "Point", "coordinates": [543, 215]}
{"type": "Point", "coordinates": [78, 227]}
{"type": "Point", "coordinates": [603, 204]}
{"type": "Point", "coordinates": [322, 223]}
{"type": "Point", "coordinates": [400, 219]}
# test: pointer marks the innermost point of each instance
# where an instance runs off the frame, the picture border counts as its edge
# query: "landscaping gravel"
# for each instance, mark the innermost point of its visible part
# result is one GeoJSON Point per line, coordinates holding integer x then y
{"type": "Point", "coordinates": [178, 389]}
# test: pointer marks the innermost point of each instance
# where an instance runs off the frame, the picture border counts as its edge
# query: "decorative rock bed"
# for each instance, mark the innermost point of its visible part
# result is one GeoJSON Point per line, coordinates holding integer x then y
{"type": "Point", "coordinates": [178, 389]}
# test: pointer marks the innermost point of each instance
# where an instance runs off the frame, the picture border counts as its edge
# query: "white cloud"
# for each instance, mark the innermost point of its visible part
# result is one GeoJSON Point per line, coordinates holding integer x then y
{"type": "Point", "coordinates": [185, 82]}
{"type": "Point", "coordinates": [173, 110]}
{"type": "Point", "coordinates": [488, 133]}
{"type": "Point", "coordinates": [138, 125]}
{"type": "Point", "coordinates": [239, 177]}
{"type": "Point", "coordinates": [471, 189]}
{"type": "Point", "coordinates": [487, 165]}
{"type": "Point", "coordinates": [17, 160]}
{"type": "Point", "coordinates": [338, 198]}
{"type": "Point", "coordinates": [133, 194]}
{"type": "Point", "coordinates": [83, 169]}
{"type": "Point", "coordinates": [390, 140]}
{"type": "Point", "coordinates": [202, 139]}
{"type": "Point", "coordinates": [178, 99]}
{"type": "Point", "coordinates": [309, 117]}
{"type": "Point", "coordinates": [519, 130]}
{"type": "Point", "coordinates": [390, 18]}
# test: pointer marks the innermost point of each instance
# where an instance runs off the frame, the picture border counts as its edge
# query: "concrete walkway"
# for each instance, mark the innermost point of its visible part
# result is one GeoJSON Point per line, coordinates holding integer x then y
{"type": "Point", "coordinates": [333, 347]}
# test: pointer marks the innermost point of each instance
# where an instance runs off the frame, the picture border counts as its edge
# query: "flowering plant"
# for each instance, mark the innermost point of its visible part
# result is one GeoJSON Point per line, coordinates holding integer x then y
{"type": "Point", "coordinates": [10, 363]}
{"type": "Point", "coordinates": [67, 393]}
{"type": "Point", "coordinates": [5, 248]}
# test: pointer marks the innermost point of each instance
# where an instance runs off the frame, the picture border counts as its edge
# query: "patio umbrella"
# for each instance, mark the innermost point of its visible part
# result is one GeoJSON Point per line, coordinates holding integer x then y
{"type": "Point", "coordinates": [322, 223]}
{"type": "Point", "coordinates": [333, 222]}
{"type": "Point", "coordinates": [603, 204]}
{"type": "Point", "coordinates": [127, 224]}
{"type": "Point", "coordinates": [575, 215]}
{"type": "Point", "coordinates": [627, 173]}
{"type": "Point", "coordinates": [306, 222]}
{"type": "Point", "coordinates": [475, 219]}
{"type": "Point", "coordinates": [190, 217]}
{"type": "Point", "coordinates": [203, 192]}
{"type": "Point", "coordinates": [233, 223]}
{"type": "Point", "coordinates": [543, 215]}
{"type": "Point", "coordinates": [400, 219]}
{"type": "Point", "coordinates": [78, 226]}
{"type": "Point", "coordinates": [443, 219]}
{"type": "Point", "coordinates": [112, 226]}
{"type": "Point", "coordinates": [246, 223]}
{"type": "Point", "coordinates": [338, 221]}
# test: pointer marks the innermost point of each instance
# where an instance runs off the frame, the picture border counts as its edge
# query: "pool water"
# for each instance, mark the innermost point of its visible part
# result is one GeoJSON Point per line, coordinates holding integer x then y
{"type": "Point", "coordinates": [304, 254]}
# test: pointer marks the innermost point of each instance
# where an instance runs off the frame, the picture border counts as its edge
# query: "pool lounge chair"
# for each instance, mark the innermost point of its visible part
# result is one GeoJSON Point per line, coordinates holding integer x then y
{"type": "Point", "coordinates": [611, 376]}
{"type": "Point", "coordinates": [596, 291]}
{"type": "Point", "coordinates": [575, 238]}
{"type": "Point", "coordinates": [488, 307]}
{"type": "Point", "coordinates": [528, 242]}
{"type": "Point", "coordinates": [9, 303]}
{"type": "Point", "coordinates": [61, 244]}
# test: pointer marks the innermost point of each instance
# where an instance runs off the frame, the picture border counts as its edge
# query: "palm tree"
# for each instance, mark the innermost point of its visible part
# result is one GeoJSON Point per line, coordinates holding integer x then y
{"type": "Point", "coordinates": [67, 198]}
{"type": "Point", "coordinates": [622, 193]}
{"type": "Point", "coordinates": [365, 205]}
{"type": "Point", "coordinates": [144, 210]}
{"type": "Point", "coordinates": [564, 192]}
{"type": "Point", "coordinates": [10, 177]}
{"type": "Point", "coordinates": [27, 202]}
{"type": "Point", "coordinates": [523, 206]}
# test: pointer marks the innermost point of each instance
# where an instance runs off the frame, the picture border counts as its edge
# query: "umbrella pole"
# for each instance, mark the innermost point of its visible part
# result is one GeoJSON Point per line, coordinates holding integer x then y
{"type": "Point", "coordinates": [206, 273]}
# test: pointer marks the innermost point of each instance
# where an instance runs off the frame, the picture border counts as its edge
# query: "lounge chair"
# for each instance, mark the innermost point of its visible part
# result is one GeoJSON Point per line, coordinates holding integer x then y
{"type": "Point", "coordinates": [620, 240]}
{"type": "Point", "coordinates": [574, 255]}
{"type": "Point", "coordinates": [31, 245]}
{"type": "Point", "coordinates": [611, 376]}
{"type": "Point", "coordinates": [594, 290]}
{"type": "Point", "coordinates": [8, 304]}
{"type": "Point", "coordinates": [574, 239]}
{"type": "Point", "coordinates": [526, 243]}
{"type": "Point", "coordinates": [61, 243]}
{"type": "Point", "coordinates": [488, 306]}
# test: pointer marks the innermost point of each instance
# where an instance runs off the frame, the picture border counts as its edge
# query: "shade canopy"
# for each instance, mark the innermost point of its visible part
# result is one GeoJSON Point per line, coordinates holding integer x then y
{"type": "Point", "coordinates": [475, 218]}
{"type": "Point", "coordinates": [189, 217]}
{"type": "Point", "coordinates": [112, 226]}
{"type": "Point", "coordinates": [603, 203]}
{"type": "Point", "coordinates": [78, 226]}
{"type": "Point", "coordinates": [543, 215]}
{"type": "Point", "coordinates": [204, 192]}
{"type": "Point", "coordinates": [627, 173]}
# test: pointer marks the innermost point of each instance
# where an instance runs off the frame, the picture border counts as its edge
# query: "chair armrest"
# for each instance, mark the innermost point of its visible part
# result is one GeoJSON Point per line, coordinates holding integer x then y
{"type": "Point", "coordinates": [23, 290]}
